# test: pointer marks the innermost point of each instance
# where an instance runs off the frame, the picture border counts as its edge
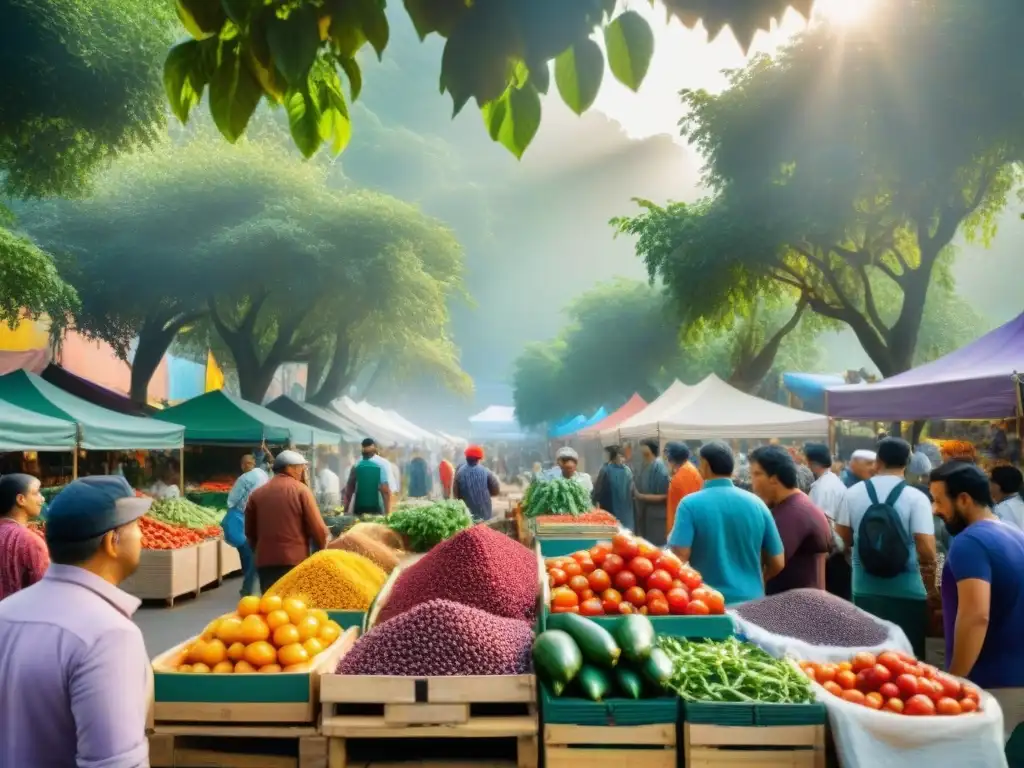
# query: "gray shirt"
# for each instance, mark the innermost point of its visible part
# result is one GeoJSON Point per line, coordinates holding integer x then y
{"type": "Point", "coordinates": [75, 675]}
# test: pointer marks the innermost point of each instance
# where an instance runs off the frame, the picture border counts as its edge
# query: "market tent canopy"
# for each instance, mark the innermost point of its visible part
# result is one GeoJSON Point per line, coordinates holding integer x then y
{"type": "Point", "coordinates": [98, 428]}
{"type": "Point", "coordinates": [219, 418]}
{"type": "Point", "coordinates": [810, 387]}
{"type": "Point", "coordinates": [633, 406]}
{"type": "Point", "coordinates": [24, 430]}
{"type": "Point", "coordinates": [495, 414]}
{"type": "Point", "coordinates": [974, 382]}
{"type": "Point", "coordinates": [453, 440]}
{"type": "Point", "coordinates": [714, 409]}
{"type": "Point", "coordinates": [368, 425]}
{"type": "Point", "coordinates": [314, 416]}
{"type": "Point", "coordinates": [640, 424]}
{"type": "Point", "coordinates": [381, 417]}
{"type": "Point", "coordinates": [93, 393]}
{"type": "Point", "coordinates": [425, 436]}
{"type": "Point", "coordinates": [581, 422]}
{"type": "Point", "coordinates": [497, 423]}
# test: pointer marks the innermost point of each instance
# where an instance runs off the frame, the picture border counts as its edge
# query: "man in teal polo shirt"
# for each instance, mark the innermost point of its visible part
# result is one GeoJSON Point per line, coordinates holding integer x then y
{"type": "Point", "coordinates": [367, 491]}
{"type": "Point", "coordinates": [726, 533]}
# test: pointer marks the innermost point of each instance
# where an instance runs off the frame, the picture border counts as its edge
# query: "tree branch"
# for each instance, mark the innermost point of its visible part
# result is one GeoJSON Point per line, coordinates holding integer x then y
{"type": "Point", "coordinates": [870, 305]}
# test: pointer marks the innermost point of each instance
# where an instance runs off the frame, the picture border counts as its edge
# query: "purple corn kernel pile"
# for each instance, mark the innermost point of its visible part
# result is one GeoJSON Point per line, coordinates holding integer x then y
{"type": "Point", "coordinates": [815, 617]}
{"type": "Point", "coordinates": [478, 567]}
{"type": "Point", "coordinates": [442, 638]}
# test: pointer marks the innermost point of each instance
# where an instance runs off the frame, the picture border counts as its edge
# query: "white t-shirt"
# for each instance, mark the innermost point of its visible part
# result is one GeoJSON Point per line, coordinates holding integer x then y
{"type": "Point", "coordinates": [328, 483]}
{"type": "Point", "coordinates": [827, 493]}
{"type": "Point", "coordinates": [915, 512]}
{"type": "Point", "coordinates": [1011, 511]}
{"type": "Point", "coordinates": [384, 464]}
{"type": "Point", "coordinates": [160, 490]}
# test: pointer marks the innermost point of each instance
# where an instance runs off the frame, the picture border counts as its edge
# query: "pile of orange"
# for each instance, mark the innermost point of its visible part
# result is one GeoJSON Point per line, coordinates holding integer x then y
{"type": "Point", "coordinates": [265, 634]}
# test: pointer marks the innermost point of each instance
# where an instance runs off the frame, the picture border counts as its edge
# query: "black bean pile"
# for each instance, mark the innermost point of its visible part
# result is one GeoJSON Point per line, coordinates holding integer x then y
{"type": "Point", "coordinates": [442, 638]}
{"type": "Point", "coordinates": [478, 567]}
{"type": "Point", "coordinates": [815, 617]}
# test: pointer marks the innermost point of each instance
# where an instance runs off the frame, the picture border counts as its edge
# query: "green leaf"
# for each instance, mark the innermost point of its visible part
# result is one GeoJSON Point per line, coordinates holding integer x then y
{"type": "Point", "coordinates": [183, 78]}
{"type": "Point", "coordinates": [630, 44]}
{"type": "Point", "coordinates": [201, 18]}
{"type": "Point", "coordinates": [234, 94]}
{"type": "Point", "coordinates": [375, 24]}
{"type": "Point", "coordinates": [334, 123]}
{"type": "Point", "coordinates": [540, 77]}
{"type": "Point", "coordinates": [354, 75]}
{"type": "Point", "coordinates": [513, 119]}
{"type": "Point", "coordinates": [239, 11]}
{"type": "Point", "coordinates": [435, 15]}
{"type": "Point", "coordinates": [303, 120]}
{"type": "Point", "coordinates": [578, 74]}
{"type": "Point", "coordinates": [294, 42]}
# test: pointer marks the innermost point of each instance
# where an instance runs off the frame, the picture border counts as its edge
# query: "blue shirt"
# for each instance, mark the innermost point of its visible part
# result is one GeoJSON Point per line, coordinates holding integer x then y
{"type": "Point", "coordinates": [475, 484]}
{"type": "Point", "coordinates": [992, 551]}
{"type": "Point", "coordinates": [726, 529]}
{"type": "Point", "coordinates": [244, 486]}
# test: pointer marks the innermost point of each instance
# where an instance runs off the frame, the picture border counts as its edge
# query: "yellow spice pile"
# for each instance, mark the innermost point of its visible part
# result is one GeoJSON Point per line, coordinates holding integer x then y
{"type": "Point", "coordinates": [379, 554]}
{"type": "Point", "coordinates": [332, 580]}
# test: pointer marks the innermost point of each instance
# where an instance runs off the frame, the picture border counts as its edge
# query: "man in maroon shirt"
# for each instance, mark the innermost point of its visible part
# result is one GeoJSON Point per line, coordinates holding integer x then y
{"type": "Point", "coordinates": [804, 529]}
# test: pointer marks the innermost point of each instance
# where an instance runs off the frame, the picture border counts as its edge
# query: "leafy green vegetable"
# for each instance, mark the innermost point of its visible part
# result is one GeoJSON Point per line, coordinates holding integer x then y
{"type": "Point", "coordinates": [556, 497]}
{"type": "Point", "coordinates": [426, 526]}
{"type": "Point", "coordinates": [184, 513]}
{"type": "Point", "coordinates": [731, 671]}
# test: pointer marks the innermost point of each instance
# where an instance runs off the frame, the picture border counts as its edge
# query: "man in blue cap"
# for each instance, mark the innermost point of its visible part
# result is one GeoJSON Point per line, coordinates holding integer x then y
{"type": "Point", "coordinates": [76, 675]}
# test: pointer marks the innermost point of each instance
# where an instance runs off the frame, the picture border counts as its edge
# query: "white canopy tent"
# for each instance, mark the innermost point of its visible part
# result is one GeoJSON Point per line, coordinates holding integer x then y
{"type": "Point", "coordinates": [714, 409]}
{"type": "Point", "coordinates": [372, 425]}
{"type": "Point", "coordinates": [425, 437]}
{"type": "Point", "coordinates": [496, 422]}
{"type": "Point", "coordinates": [454, 441]}
{"type": "Point", "coordinates": [638, 425]}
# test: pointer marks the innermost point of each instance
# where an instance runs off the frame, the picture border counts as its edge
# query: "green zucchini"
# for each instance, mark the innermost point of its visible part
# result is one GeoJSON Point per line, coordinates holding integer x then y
{"type": "Point", "coordinates": [594, 683]}
{"type": "Point", "coordinates": [657, 669]}
{"type": "Point", "coordinates": [595, 642]}
{"type": "Point", "coordinates": [635, 636]}
{"type": "Point", "coordinates": [557, 659]}
{"type": "Point", "coordinates": [629, 682]}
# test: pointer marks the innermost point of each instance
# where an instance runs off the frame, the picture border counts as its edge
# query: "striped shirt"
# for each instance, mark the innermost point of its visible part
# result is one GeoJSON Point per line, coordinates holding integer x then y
{"type": "Point", "coordinates": [475, 485]}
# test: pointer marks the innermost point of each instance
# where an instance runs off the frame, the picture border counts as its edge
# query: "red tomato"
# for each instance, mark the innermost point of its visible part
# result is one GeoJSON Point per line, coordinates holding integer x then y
{"type": "Point", "coordinates": [581, 555]}
{"type": "Point", "coordinates": [623, 580]}
{"type": "Point", "coordinates": [895, 705]}
{"type": "Point", "coordinates": [573, 568]}
{"type": "Point", "coordinates": [907, 685]}
{"type": "Point", "coordinates": [586, 594]}
{"type": "Point", "coordinates": [591, 607]}
{"type": "Point", "coordinates": [564, 598]}
{"type": "Point", "coordinates": [697, 608]}
{"type": "Point", "coordinates": [833, 687]}
{"type": "Point", "coordinates": [690, 578]}
{"type": "Point", "coordinates": [951, 687]}
{"type": "Point", "coordinates": [648, 550]}
{"type": "Point", "coordinates": [599, 580]}
{"type": "Point", "coordinates": [715, 602]}
{"type": "Point", "coordinates": [626, 607]}
{"type": "Point", "coordinates": [642, 610]}
{"type": "Point", "coordinates": [678, 584]}
{"type": "Point", "coordinates": [907, 658]}
{"type": "Point", "coordinates": [864, 681]}
{"type": "Point", "coordinates": [892, 662]}
{"type": "Point", "coordinates": [700, 593]}
{"type": "Point", "coordinates": [578, 583]}
{"type": "Point", "coordinates": [846, 679]}
{"type": "Point", "coordinates": [658, 606]}
{"type": "Point", "coordinates": [863, 660]}
{"type": "Point", "coordinates": [948, 706]}
{"type": "Point", "coordinates": [613, 564]}
{"type": "Point", "coordinates": [654, 594]}
{"type": "Point", "coordinates": [826, 672]}
{"type": "Point", "coordinates": [636, 596]}
{"type": "Point", "coordinates": [659, 580]}
{"type": "Point", "coordinates": [558, 577]}
{"type": "Point", "coordinates": [553, 562]}
{"type": "Point", "coordinates": [677, 600]}
{"type": "Point", "coordinates": [669, 563]}
{"type": "Point", "coordinates": [919, 705]}
{"type": "Point", "coordinates": [930, 688]}
{"type": "Point", "coordinates": [968, 705]}
{"type": "Point", "coordinates": [565, 609]}
{"type": "Point", "coordinates": [810, 672]}
{"type": "Point", "coordinates": [928, 671]}
{"type": "Point", "coordinates": [610, 600]}
{"type": "Point", "coordinates": [970, 692]}
{"type": "Point", "coordinates": [598, 554]}
{"type": "Point", "coordinates": [853, 696]}
{"type": "Point", "coordinates": [605, 546]}
{"type": "Point", "coordinates": [587, 565]}
{"type": "Point", "coordinates": [879, 675]}
{"type": "Point", "coordinates": [889, 690]}
{"type": "Point", "coordinates": [642, 567]}
{"type": "Point", "coordinates": [872, 701]}
{"type": "Point", "coordinates": [625, 546]}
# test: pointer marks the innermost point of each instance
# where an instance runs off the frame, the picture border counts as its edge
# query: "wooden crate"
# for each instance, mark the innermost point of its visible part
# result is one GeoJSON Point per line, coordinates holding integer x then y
{"type": "Point", "coordinates": [230, 562]}
{"type": "Point", "coordinates": [165, 574]}
{"type": "Point", "coordinates": [208, 565]}
{"type": "Point", "coordinates": [382, 707]}
{"type": "Point", "coordinates": [283, 698]}
{"type": "Point", "coordinates": [591, 746]}
{"type": "Point", "coordinates": [784, 746]}
{"type": "Point", "coordinates": [236, 746]}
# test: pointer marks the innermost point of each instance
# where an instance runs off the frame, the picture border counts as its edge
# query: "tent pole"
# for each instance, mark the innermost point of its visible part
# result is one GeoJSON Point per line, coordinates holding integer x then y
{"type": "Point", "coordinates": [1019, 386]}
{"type": "Point", "coordinates": [74, 462]}
{"type": "Point", "coordinates": [181, 469]}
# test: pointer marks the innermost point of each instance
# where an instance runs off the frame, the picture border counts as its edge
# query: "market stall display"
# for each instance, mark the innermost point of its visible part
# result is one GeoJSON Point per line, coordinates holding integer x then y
{"type": "Point", "coordinates": [557, 496]}
{"type": "Point", "coordinates": [332, 580]}
{"type": "Point", "coordinates": [379, 554]}
{"type": "Point", "coordinates": [186, 514]}
{"type": "Point", "coordinates": [426, 526]}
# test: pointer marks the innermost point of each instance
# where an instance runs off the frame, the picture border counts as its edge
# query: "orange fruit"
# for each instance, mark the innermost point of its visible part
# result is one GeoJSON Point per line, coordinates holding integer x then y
{"type": "Point", "coordinates": [247, 606]}
{"type": "Point", "coordinates": [329, 632]}
{"type": "Point", "coordinates": [277, 619]}
{"type": "Point", "coordinates": [243, 667]}
{"type": "Point", "coordinates": [211, 630]}
{"type": "Point", "coordinates": [260, 653]}
{"type": "Point", "coordinates": [185, 668]}
{"type": "Point", "coordinates": [321, 615]}
{"type": "Point", "coordinates": [308, 627]}
{"type": "Point", "coordinates": [313, 646]}
{"type": "Point", "coordinates": [236, 651]}
{"type": "Point", "coordinates": [296, 610]}
{"type": "Point", "coordinates": [292, 654]}
{"type": "Point", "coordinates": [200, 668]}
{"type": "Point", "coordinates": [213, 653]}
{"type": "Point", "coordinates": [196, 651]}
{"type": "Point", "coordinates": [269, 604]}
{"type": "Point", "coordinates": [229, 630]}
{"type": "Point", "coordinates": [254, 629]}
{"type": "Point", "coordinates": [223, 668]}
{"type": "Point", "coordinates": [271, 668]}
{"type": "Point", "coordinates": [284, 635]}
{"type": "Point", "coordinates": [297, 668]}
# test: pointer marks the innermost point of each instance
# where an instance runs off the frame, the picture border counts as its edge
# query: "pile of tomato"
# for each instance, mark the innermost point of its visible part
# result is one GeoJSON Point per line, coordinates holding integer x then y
{"type": "Point", "coordinates": [160, 535]}
{"type": "Point", "coordinates": [895, 682]}
{"type": "Point", "coordinates": [628, 575]}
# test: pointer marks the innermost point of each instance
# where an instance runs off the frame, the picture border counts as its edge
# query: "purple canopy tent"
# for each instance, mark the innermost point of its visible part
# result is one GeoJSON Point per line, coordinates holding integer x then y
{"type": "Point", "coordinates": [93, 393]}
{"type": "Point", "coordinates": [974, 382]}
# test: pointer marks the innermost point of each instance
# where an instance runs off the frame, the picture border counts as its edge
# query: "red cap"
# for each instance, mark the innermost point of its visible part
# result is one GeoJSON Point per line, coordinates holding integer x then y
{"type": "Point", "coordinates": [475, 452]}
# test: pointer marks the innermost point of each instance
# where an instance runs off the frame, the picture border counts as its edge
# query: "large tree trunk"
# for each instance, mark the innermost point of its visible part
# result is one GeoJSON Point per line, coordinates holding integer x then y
{"type": "Point", "coordinates": [748, 374]}
{"type": "Point", "coordinates": [155, 338]}
{"type": "Point", "coordinates": [338, 375]}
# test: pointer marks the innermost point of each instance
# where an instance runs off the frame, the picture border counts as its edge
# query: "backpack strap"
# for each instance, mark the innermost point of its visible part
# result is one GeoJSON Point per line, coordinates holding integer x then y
{"type": "Point", "coordinates": [872, 493]}
{"type": "Point", "coordinates": [895, 494]}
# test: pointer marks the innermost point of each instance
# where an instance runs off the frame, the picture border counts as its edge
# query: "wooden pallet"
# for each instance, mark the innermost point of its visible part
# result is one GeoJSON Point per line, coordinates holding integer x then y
{"type": "Point", "coordinates": [392, 707]}
{"type": "Point", "coordinates": [165, 574]}
{"type": "Point", "coordinates": [236, 746]}
{"type": "Point", "coordinates": [787, 746]}
{"type": "Point", "coordinates": [589, 746]}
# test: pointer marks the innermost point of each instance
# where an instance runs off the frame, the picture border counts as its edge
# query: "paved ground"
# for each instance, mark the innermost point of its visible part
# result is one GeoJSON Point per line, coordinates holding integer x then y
{"type": "Point", "coordinates": [165, 627]}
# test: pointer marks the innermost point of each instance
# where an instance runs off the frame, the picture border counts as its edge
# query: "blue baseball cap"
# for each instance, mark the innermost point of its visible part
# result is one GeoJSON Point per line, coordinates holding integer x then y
{"type": "Point", "coordinates": [92, 506]}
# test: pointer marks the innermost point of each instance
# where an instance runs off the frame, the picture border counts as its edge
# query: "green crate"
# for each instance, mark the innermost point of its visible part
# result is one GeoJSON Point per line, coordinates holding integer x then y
{"type": "Point", "coordinates": [570, 710]}
{"type": "Point", "coordinates": [693, 627]}
{"type": "Point", "coordinates": [347, 619]}
{"type": "Point", "coordinates": [747, 715]}
{"type": "Point", "coordinates": [253, 688]}
{"type": "Point", "coordinates": [211, 499]}
{"type": "Point", "coordinates": [562, 547]}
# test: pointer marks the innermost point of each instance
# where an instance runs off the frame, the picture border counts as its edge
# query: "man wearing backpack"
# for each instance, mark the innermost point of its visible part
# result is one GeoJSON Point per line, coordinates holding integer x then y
{"type": "Point", "coordinates": [888, 524]}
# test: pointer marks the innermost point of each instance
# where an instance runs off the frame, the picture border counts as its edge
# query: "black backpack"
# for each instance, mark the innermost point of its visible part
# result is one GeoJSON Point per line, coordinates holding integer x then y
{"type": "Point", "coordinates": [883, 544]}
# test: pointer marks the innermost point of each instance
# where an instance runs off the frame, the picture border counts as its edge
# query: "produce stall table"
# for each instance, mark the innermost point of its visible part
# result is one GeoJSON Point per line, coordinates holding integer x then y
{"type": "Point", "coordinates": [208, 567]}
{"type": "Point", "coordinates": [165, 574]}
{"type": "Point", "coordinates": [230, 562]}
{"type": "Point", "coordinates": [724, 735]}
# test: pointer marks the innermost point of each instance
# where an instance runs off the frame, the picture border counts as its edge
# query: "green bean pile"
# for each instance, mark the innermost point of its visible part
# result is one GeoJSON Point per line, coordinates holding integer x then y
{"type": "Point", "coordinates": [731, 671]}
